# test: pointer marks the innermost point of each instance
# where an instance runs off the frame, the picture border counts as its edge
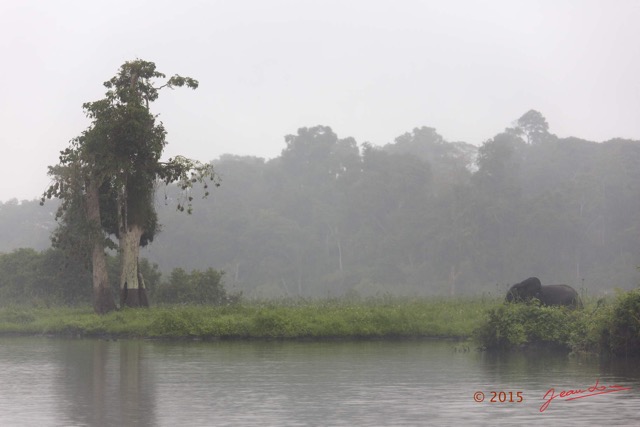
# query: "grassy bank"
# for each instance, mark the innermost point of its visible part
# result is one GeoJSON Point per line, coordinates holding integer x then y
{"type": "Point", "coordinates": [602, 327]}
{"type": "Point", "coordinates": [323, 319]}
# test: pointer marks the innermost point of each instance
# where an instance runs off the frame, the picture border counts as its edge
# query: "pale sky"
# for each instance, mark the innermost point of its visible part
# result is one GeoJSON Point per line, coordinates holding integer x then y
{"type": "Point", "coordinates": [370, 69]}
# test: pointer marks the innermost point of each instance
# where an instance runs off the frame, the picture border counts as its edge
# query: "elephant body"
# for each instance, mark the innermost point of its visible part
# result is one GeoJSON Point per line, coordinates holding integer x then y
{"type": "Point", "coordinates": [531, 288]}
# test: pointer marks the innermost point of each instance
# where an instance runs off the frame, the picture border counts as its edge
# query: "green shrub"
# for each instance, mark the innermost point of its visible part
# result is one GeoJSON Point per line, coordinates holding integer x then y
{"type": "Point", "coordinates": [621, 337]}
{"type": "Point", "coordinates": [171, 323]}
{"type": "Point", "coordinates": [16, 315]}
{"type": "Point", "coordinates": [197, 287]}
{"type": "Point", "coordinates": [515, 325]}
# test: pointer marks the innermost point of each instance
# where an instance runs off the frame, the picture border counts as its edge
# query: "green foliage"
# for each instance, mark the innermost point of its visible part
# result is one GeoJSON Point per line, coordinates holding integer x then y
{"type": "Point", "coordinates": [106, 177]}
{"type": "Point", "coordinates": [121, 150]}
{"type": "Point", "coordinates": [197, 287]}
{"type": "Point", "coordinates": [294, 319]}
{"type": "Point", "coordinates": [175, 322]}
{"type": "Point", "coordinates": [51, 278]}
{"type": "Point", "coordinates": [621, 337]}
{"type": "Point", "coordinates": [515, 325]}
{"type": "Point", "coordinates": [607, 328]}
{"type": "Point", "coordinates": [42, 279]}
{"type": "Point", "coordinates": [599, 328]}
{"type": "Point", "coordinates": [533, 125]}
{"type": "Point", "coordinates": [419, 216]}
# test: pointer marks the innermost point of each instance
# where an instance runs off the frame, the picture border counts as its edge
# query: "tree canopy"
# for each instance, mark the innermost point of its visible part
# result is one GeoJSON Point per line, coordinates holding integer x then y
{"type": "Point", "coordinates": [420, 215]}
{"type": "Point", "coordinates": [106, 178]}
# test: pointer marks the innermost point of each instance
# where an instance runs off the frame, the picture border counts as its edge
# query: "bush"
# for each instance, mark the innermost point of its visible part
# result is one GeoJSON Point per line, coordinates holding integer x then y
{"type": "Point", "coordinates": [43, 278]}
{"type": "Point", "coordinates": [197, 287]}
{"type": "Point", "coordinates": [600, 329]}
{"type": "Point", "coordinates": [169, 322]}
{"type": "Point", "coordinates": [622, 336]}
{"type": "Point", "coordinates": [518, 325]}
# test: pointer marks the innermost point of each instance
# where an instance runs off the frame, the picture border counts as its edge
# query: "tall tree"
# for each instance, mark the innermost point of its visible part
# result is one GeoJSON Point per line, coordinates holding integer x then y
{"type": "Point", "coordinates": [533, 126]}
{"type": "Point", "coordinates": [77, 180]}
{"type": "Point", "coordinates": [115, 165]}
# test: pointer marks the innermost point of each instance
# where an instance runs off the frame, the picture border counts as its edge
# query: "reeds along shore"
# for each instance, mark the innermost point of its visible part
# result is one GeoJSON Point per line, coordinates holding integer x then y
{"type": "Point", "coordinates": [334, 318]}
{"type": "Point", "coordinates": [602, 327]}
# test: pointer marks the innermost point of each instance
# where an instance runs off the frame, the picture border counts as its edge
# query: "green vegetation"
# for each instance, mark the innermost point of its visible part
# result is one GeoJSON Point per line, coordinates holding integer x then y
{"type": "Point", "coordinates": [197, 287]}
{"type": "Point", "coordinates": [318, 319]}
{"type": "Point", "coordinates": [421, 215]}
{"type": "Point", "coordinates": [602, 327]}
{"type": "Point", "coordinates": [516, 325]}
{"type": "Point", "coordinates": [107, 177]}
{"type": "Point", "coordinates": [620, 334]}
{"type": "Point", "coordinates": [51, 278]}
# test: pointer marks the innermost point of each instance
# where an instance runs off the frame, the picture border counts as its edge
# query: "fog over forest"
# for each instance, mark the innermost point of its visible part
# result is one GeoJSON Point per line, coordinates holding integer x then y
{"type": "Point", "coordinates": [422, 215]}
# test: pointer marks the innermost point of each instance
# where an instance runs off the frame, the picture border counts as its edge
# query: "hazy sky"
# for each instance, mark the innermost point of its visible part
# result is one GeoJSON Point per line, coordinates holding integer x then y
{"type": "Point", "coordinates": [370, 69]}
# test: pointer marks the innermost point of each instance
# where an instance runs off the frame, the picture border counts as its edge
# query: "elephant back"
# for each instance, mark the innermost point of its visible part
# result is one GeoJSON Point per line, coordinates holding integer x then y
{"type": "Point", "coordinates": [562, 295]}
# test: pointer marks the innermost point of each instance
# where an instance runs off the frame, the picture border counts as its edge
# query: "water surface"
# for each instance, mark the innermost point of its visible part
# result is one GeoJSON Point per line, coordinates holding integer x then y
{"type": "Point", "coordinates": [54, 381]}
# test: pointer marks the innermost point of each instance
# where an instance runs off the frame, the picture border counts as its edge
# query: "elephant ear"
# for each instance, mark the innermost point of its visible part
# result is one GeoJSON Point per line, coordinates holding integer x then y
{"type": "Point", "coordinates": [536, 287]}
{"type": "Point", "coordinates": [533, 286]}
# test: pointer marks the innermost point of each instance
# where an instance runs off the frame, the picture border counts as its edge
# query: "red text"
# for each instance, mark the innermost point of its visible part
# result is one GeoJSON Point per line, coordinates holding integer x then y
{"type": "Point", "coordinates": [594, 390]}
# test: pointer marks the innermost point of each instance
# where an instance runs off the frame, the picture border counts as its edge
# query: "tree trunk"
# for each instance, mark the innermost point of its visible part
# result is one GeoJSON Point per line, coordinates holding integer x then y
{"type": "Point", "coordinates": [453, 276]}
{"type": "Point", "coordinates": [102, 297]}
{"type": "Point", "coordinates": [132, 290]}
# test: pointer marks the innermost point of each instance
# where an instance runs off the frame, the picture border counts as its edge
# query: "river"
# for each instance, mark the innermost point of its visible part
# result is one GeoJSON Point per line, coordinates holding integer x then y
{"type": "Point", "coordinates": [87, 382]}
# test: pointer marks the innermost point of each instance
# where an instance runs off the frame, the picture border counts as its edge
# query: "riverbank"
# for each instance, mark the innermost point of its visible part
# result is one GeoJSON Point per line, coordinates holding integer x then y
{"type": "Point", "coordinates": [605, 327]}
{"type": "Point", "coordinates": [602, 327]}
{"type": "Point", "coordinates": [316, 319]}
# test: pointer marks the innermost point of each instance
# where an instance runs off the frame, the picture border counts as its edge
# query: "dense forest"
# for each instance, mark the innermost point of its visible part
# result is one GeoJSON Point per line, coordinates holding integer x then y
{"type": "Point", "coordinates": [419, 216]}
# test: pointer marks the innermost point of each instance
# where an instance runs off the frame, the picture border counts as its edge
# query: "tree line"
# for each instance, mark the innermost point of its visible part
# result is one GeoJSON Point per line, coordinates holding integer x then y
{"type": "Point", "coordinates": [51, 278]}
{"type": "Point", "coordinates": [421, 215]}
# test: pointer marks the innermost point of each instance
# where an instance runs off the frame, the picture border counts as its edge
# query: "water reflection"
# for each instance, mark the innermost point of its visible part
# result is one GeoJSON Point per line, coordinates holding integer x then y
{"type": "Point", "coordinates": [74, 382]}
{"type": "Point", "coordinates": [548, 373]}
{"type": "Point", "coordinates": [528, 365]}
{"type": "Point", "coordinates": [129, 382]}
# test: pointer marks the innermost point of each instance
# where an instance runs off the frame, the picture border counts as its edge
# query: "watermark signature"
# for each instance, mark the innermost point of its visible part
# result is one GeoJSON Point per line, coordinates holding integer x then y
{"type": "Point", "coordinates": [567, 395]}
{"type": "Point", "coordinates": [500, 396]}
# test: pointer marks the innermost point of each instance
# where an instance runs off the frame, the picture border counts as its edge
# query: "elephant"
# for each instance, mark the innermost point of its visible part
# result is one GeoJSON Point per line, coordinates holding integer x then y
{"type": "Point", "coordinates": [561, 295]}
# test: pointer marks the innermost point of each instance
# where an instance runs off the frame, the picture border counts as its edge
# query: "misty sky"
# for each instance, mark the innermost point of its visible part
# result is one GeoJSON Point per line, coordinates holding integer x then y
{"type": "Point", "coordinates": [369, 69]}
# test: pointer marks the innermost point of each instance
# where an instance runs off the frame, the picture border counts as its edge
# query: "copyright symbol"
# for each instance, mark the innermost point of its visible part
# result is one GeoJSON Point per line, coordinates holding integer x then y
{"type": "Point", "coordinates": [478, 396]}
